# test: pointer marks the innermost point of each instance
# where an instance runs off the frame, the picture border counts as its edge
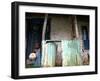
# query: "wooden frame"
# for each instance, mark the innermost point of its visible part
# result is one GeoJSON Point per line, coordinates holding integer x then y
{"type": "Point", "coordinates": [15, 39]}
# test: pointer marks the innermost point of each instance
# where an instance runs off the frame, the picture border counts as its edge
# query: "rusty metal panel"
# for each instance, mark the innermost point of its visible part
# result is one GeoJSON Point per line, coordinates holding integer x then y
{"type": "Point", "coordinates": [49, 54]}
{"type": "Point", "coordinates": [71, 53]}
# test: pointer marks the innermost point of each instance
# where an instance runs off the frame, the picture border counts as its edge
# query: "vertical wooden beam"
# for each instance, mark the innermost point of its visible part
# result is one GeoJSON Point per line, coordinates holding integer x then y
{"type": "Point", "coordinates": [76, 27]}
{"type": "Point", "coordinates": [43, 38]}
{"type": "Point", "coordinates": [75, 31]}
{"type": "Point", "coordinates": [44, 26]}
{"type": "Point", "coordinates": [73, 27]}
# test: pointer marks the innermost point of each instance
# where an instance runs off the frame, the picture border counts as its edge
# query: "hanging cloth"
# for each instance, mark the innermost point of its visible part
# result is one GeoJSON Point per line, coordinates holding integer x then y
{"type": "Point", "coordinates": [71, 53]}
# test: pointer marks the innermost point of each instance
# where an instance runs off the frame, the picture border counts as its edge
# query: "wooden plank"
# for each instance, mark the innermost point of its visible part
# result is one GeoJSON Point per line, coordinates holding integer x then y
{"type": "Point", "coordinates": [44, 26]}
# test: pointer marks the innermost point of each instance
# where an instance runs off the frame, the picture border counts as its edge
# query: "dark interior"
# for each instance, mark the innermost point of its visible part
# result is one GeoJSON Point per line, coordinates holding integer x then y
{"type": "Point", "coordinates": [34, 28]}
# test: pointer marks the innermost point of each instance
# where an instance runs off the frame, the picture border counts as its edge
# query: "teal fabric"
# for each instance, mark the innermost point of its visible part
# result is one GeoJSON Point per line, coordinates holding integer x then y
{"type": "Point", "coordinates": [71, 53]}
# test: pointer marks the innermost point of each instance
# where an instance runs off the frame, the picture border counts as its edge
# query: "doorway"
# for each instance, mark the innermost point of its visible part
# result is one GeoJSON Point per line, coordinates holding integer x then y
{"type": "Point", "coordinates": [34, 27]}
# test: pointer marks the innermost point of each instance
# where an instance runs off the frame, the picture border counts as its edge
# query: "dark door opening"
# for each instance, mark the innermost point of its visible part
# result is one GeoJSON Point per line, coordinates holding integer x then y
{"type": "Point", "coordinates": [85, 37]}
{"type": "Point", "coordinates": [34, 28]}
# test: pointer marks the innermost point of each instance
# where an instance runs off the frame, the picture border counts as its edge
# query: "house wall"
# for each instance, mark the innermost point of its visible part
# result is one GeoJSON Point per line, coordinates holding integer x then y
{"type": "Point", "coordinates": [60, 28]}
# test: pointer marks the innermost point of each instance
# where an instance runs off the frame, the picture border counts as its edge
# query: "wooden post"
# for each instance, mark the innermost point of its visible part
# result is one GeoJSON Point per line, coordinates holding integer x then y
{"type": "Point", "coordinates": [75, 32]}
{"type": "Point", "coordinates": [44, 26]}
{"type": "Point", "coordinates": [43, 38]}
{"type": "Point", "coordinates": [76, 27]}
{"type": "Point", "coordinates": [73, 27]}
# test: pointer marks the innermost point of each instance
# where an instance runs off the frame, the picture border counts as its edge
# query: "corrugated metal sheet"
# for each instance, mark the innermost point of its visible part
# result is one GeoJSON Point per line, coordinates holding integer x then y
{"type": "Point", "coordinates": [49, 54]}
{"type": "Point", "coordinates": [71, 53]}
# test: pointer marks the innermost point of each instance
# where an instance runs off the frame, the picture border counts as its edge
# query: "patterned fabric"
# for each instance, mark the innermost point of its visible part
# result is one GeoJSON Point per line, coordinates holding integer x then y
{"type": "Point", "coordinates": [71, 53]}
